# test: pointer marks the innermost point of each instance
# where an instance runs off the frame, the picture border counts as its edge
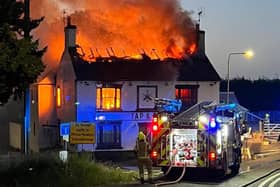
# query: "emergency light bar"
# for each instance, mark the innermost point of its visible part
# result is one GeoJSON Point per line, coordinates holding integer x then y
{"type": "Point", "coordinates": [213, 123]}
{"type": "Point", "coordinates": [225, 107]}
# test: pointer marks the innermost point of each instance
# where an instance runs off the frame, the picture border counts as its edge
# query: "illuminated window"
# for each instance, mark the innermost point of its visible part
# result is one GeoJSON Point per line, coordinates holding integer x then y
{"type": "Point", "coordinates": [108, 98]}
{"type": "Point", "coordinates": [187, 94]}
{"type": "Point", "coordinates": [58, 97]}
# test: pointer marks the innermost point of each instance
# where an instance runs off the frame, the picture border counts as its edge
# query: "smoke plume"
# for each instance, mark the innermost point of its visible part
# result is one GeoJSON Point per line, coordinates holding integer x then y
{"type": "Point", "coordinates": [160, 28]}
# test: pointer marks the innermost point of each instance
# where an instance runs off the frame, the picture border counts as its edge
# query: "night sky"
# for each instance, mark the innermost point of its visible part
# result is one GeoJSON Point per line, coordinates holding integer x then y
{"type": "Point", "coordinates": [238, 25]}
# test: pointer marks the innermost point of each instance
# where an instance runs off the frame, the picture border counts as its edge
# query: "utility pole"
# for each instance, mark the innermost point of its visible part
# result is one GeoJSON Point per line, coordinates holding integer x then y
{"type": "Point", "coordinates": [26, 18]}
{"type": "Point", "coordinates": [26, 128]}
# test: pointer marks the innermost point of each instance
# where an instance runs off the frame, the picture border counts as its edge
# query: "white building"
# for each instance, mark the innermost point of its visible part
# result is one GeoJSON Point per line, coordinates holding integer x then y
{"type": "Point", "coordinates": [115, 93]}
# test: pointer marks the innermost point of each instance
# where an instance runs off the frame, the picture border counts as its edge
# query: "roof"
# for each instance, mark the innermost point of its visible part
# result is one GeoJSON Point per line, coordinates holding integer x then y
{"type": "Point", "coordinates": [194, 68]}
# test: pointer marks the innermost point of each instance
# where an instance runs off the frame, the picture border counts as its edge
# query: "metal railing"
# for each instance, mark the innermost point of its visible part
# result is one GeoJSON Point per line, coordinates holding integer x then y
{"type": "Point", "coordinates": [272, 130]}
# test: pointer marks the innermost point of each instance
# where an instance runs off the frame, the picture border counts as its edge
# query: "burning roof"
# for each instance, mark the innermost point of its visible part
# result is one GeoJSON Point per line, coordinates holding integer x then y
{"type": "Point", "coordinates": [196, 67]}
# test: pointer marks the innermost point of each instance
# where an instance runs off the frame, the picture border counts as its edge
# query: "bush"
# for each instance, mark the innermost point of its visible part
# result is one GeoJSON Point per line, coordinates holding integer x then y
{"type": "Point", "coordinates": [49, 171]}
{"type": "Point", "coordinates": [93, 173]}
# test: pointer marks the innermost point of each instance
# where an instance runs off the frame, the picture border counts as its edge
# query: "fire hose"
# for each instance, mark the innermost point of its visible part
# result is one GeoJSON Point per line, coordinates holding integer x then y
{"type": "Point", "coordinates": [173, 182]}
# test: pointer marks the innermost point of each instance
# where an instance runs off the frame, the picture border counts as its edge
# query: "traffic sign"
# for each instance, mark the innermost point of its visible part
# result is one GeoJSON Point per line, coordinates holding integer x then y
{"type": "Point", "coordinates": [82, 133]}
{"type": "Point", "coordinates": [64, 129]}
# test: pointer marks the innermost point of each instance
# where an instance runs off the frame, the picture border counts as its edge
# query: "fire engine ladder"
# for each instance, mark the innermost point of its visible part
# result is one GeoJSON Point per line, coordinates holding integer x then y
{"type": "Point", "coordinates": [193, 112]}
{"type": "Point", "coordinates": [167, 105]}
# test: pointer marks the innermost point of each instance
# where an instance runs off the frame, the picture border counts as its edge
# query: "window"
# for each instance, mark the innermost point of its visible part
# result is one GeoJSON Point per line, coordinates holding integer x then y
{"type": "Point", "coordinates": [187, 94]}
{"type": "Point", "coordinates": [58, 97]}
{"type": "Point", "coordinates": [109, 136]}
{"type": "Point", "coordinates": [108, 98]}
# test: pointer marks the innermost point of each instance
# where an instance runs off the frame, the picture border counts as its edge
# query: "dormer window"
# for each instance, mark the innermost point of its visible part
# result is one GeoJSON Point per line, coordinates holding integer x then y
{"type": "Point", "coordinates": [108, 98]}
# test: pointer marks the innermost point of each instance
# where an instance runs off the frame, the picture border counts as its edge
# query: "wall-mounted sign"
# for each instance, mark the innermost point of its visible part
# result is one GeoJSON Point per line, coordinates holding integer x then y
{"type": "Point", "coordinates": [146, 95]}
{"type": "Point", "coordinates": [141, 116]}
{"type": "Point", "coordinates": [82, 133]}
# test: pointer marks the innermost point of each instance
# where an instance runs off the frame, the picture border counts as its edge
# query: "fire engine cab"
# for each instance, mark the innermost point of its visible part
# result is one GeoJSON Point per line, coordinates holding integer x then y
{"type": "Point", "coordinates": [204, 136]}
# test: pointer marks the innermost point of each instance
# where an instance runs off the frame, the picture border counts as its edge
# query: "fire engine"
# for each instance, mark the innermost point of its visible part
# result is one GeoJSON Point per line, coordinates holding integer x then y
{"type": "Point", "coordinates": [207, 135]}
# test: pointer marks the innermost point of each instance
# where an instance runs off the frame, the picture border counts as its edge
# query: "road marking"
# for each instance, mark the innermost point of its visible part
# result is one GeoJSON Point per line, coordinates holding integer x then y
{"type": "Point", "coordinates": [274, 182]}
{"type": "Point", "coordinates": [267, 180]}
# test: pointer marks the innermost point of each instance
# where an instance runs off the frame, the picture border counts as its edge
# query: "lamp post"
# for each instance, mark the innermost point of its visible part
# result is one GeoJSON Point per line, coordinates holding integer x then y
{"type": "Point", "coordinates": [247, 54]}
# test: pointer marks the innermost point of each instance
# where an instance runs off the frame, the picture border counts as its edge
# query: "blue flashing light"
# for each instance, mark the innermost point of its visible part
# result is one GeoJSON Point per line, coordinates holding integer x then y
{"type": "Point", "coordinates": [27, 120]}
{"type": "Point", "coordinates": [226, 107]}
{"type": "Point", "coordinates": [213, 123]}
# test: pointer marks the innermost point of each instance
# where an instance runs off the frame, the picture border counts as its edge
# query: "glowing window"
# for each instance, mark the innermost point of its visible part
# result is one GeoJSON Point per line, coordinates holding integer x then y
{"type": "Point", "coordinates": [187, 94]}
{"type": "Point", "coordinates": [108, 98]}
{"type": "Point", "coordinates": [58, 97]}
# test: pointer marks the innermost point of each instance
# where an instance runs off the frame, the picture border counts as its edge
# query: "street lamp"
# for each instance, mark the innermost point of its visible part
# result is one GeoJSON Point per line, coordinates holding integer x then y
{"type": "Point", "coordinates": [248, 54]}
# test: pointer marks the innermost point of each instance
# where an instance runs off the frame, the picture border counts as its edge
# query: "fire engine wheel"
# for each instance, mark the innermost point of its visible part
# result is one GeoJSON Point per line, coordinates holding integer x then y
{"type": "Point", "coordinates": [225, 166]}
{"type": "Point", "coordinates": [235, 168]}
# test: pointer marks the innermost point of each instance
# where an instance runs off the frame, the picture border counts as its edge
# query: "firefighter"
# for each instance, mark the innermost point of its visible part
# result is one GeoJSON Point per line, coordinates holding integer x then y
{"type": "Point", "coordinates": [142, 150]}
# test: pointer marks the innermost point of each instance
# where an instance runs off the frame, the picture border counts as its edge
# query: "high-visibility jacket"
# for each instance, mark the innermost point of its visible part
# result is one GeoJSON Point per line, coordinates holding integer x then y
{"type": "Point", "coordinates": [142, 149]}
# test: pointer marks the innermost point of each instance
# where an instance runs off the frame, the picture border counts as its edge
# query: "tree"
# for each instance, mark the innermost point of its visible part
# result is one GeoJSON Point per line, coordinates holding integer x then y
{"type": "Point", "coordinates": [256, 95]}
{"type": "Point", "coordinates": [20, 57]}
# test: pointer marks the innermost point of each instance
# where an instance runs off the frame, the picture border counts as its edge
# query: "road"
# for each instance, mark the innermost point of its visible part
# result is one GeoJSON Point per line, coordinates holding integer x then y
{"type": "Point", "coordinates": [271, 180]}
{"type": "Point", "coordinates": [252, 174]}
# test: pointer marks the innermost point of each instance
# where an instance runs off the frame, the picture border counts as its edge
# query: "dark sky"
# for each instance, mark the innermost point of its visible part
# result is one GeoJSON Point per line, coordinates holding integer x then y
{"type": "Point", "coordinates": [238, 25]}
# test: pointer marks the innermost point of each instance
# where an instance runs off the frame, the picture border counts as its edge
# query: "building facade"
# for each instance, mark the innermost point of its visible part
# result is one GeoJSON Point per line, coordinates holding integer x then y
{"type": "Point", "coordinates": [117, 94]}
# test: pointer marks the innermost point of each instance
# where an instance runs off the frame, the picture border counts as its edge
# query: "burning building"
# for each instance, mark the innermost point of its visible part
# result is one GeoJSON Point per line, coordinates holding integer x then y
{"type": "Point", "coordinates": [116, 92]}
{"type": "Point", "coordinates": [152, 54]}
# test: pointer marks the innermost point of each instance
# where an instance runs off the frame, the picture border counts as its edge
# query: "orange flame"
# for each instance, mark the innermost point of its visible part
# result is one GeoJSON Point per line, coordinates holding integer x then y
{"type": "Point", "coordinates": [160, 28]}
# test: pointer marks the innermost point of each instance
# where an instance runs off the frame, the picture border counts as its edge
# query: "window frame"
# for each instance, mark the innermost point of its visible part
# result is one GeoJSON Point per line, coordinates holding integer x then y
{"type": "Point", "coordinates": [113, 86]}
{"type": "Point", "coordinates": [193, 98]}
{"type": "Point", "coordinates": [117, 134]}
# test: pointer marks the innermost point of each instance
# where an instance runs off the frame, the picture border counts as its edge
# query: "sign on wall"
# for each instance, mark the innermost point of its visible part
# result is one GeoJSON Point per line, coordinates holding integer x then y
{"type": "Point", "coordinates": [82, 133]}
{"type": "Point", "coordinates": [146, 95]}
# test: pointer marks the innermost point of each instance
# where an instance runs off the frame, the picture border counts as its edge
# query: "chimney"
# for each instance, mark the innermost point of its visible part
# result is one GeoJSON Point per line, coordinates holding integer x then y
{"type": "Point", "coordinates": [70, 34]}
{"type": "Point", "coordinates": [200, 38]}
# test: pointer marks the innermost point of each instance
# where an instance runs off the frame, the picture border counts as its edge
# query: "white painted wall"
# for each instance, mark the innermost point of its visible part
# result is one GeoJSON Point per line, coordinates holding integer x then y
{"type": "Point", "coordinates": [86, 109]}
{"type": "Point", "coordinates": [86, 100]}
{"type": "Point", "coordinates": [209, 91]}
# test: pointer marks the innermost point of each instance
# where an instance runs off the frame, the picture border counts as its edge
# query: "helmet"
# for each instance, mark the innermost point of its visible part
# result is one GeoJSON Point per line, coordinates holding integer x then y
{"type": "Point", "coordinates": [141, 136]}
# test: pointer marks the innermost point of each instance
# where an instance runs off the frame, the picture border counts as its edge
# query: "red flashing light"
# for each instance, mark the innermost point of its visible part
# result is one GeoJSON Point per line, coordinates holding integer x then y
{"type": "Point", "coordinates": [155, 124]}
{"type": "Point", "coordinates": [155, 127]}
{"type": "Point", "coordinates": [154, 154]}
{"type": "Point", "coordinates": [155, 119]}
{"type": "Point", "coordinates": [212, 156]}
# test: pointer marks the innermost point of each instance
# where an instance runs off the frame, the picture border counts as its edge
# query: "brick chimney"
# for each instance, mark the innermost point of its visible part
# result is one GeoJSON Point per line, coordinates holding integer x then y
{"type": "Point", "coordinates": [70, 34]}
{"type": "Point", "coordinates": [200, 38]}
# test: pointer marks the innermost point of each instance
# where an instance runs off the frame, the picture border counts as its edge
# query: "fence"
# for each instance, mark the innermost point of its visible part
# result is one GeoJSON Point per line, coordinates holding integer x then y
{"type": "Point", "coordinates": [272, 131]}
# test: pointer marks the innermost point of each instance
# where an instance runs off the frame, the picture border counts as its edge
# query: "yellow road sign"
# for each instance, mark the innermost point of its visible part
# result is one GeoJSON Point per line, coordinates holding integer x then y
{"type": "Point", "coordinates": [82, 133]}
